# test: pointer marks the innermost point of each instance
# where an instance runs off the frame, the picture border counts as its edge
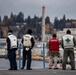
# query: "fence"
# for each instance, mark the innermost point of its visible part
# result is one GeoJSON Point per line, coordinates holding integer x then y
{"type": "Point", "coordinates": [40, 51]}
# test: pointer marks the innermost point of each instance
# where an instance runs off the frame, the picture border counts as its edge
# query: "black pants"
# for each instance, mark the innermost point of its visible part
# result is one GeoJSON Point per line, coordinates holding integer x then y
{"type": "Point", "coordinates": [26, 55]}
{"type": "Point", "coordinates": [12, 59]}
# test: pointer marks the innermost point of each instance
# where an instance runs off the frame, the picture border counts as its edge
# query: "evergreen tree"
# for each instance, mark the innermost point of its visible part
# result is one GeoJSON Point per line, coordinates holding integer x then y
{"type": "Point", "coordinates": [40, 19]}
{"type": "Point", "coordinates": [64, 21]}
{"type": "Point", "coordinates": [28, 20]}
{"type": "Point", "coordinates": [13, 17]}
{"type": "Point", "coordinates": [35, 21]}
{"type": "Point", "coordinates": [61, 24]}
{"type": "Point", "coordinates": [56, 23]}
{"type": "Point", "coordinates": [47, 20]}
{"type": "Point", "coordinates": [20, 17]}
{"type": "Point", "coordinates": [0, 18]}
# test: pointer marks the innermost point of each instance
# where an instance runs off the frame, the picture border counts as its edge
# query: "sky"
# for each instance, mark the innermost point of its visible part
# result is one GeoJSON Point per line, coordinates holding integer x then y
{"type": "Point", "coordinates": [53, 8]}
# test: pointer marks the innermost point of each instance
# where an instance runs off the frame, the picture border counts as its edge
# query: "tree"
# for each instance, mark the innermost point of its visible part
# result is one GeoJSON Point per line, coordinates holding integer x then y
{"type": "Point", "coordinates": [13, 17]}
{"type": "Point", "coordinates": [20, 17]}
{"type": "Point", "coordinates": [47, 20]}
{"type": "Point", "coordinates": [35, 21]}
{"type": "Point", "coordinates": [0, 18]}
{"type": "Point", "coordinates": [64, 21]}
{"type": "Point", "coordinates": [56, 23]}
{"type": "Point", "coordinates": [7, 21]}
{"type": "Point", "coordinates": [28, 20]}
{"type": "Point", "coordinates": [40, 19]}
{"type": "Point", "coordinates": [5, 18]}
{"type": "Point", "coordinates": [61, 24]}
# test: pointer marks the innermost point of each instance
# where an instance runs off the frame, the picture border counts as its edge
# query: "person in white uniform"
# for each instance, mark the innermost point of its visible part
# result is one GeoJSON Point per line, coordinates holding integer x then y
{"type": "Point", "coordinates": [12, 45]}
{"type": "Point", "coordinates": [28, 43]}
{"type": "Point", "coordinates": [68, 43]}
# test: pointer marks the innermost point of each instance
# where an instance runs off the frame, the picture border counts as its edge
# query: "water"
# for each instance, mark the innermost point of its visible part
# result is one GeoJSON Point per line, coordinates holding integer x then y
{"type": "Point", "coordinates": [4, 64]}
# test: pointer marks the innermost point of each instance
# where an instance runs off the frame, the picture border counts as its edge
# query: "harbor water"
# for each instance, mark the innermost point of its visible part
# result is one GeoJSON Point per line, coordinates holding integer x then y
{"type": "Point", "coordinates": [4, 64]}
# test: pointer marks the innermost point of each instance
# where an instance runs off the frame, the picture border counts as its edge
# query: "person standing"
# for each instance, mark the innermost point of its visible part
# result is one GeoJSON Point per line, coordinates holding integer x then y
{"type": "Point", "coordinates": [28, 43]}
{"type": "Point", "coordinates": [53, 51]}
{"type": "Point", "coordinates": [68, 43]}
{"type": "Point", "coordinates": [12, 45]}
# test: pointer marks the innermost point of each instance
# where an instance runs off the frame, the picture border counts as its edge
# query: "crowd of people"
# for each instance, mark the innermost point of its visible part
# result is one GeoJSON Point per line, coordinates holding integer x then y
{"type": "Point", "coordinates": [68, 42]}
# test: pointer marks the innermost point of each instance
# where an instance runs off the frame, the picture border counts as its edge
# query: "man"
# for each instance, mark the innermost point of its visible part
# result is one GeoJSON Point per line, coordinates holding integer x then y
{"type": "Point", "coordinates": [68, 43]}
{"type": "Point", "coordinates": [28, 43]}
{"type": "Point", "coordinates": [53, 51]}
{"type": "Point", "coordinates": [12, 45]}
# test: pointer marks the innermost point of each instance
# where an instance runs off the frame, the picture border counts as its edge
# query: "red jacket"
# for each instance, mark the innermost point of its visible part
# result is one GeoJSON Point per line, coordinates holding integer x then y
{"type": "Point", "coordinates": [53, 45]}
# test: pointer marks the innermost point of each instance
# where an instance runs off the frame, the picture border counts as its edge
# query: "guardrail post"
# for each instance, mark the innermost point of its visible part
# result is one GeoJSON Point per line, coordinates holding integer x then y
{"type": "Point", "coordinates": [43, 55]}
{"type": "Point", "coordinates": [19, 52]}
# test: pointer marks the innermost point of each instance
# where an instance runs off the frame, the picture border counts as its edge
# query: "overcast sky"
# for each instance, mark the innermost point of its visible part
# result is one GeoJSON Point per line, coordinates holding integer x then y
{"type": "Point", "coordinates": [54, 8]}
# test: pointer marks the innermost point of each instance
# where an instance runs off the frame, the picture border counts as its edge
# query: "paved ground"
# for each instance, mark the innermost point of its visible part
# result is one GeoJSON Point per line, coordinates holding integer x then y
{"type": "Point", "coordinates": [40, 71]}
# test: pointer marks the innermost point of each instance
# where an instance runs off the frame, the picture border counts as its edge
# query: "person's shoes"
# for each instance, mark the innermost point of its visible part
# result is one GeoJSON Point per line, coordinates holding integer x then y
{"type": "Point", "coordinates": [72, 69]}
{"type": "Point", "coordinates": [63, 69]}
{"type": "Point", "coordinates": [15, 69]}
{"type": "Point", "coordinates": [55, 68]}
{"type": "Point", "coordinates": [22, 68]}
{"type": "Point", "coordinates": [29, 69]}
{"type": "Point", "coordinates": [10, 69]}
{"type": "Point", "coordinates": [49, 68]}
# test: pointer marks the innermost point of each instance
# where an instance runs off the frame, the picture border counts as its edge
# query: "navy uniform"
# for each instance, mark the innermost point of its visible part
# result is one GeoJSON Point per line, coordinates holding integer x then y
{"type": "Point", "coordinates": [12, 45]}
{"type": "Point", "coordinates": [68, 43]}
{"type": "Point", "coordinates": [28, 43]}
